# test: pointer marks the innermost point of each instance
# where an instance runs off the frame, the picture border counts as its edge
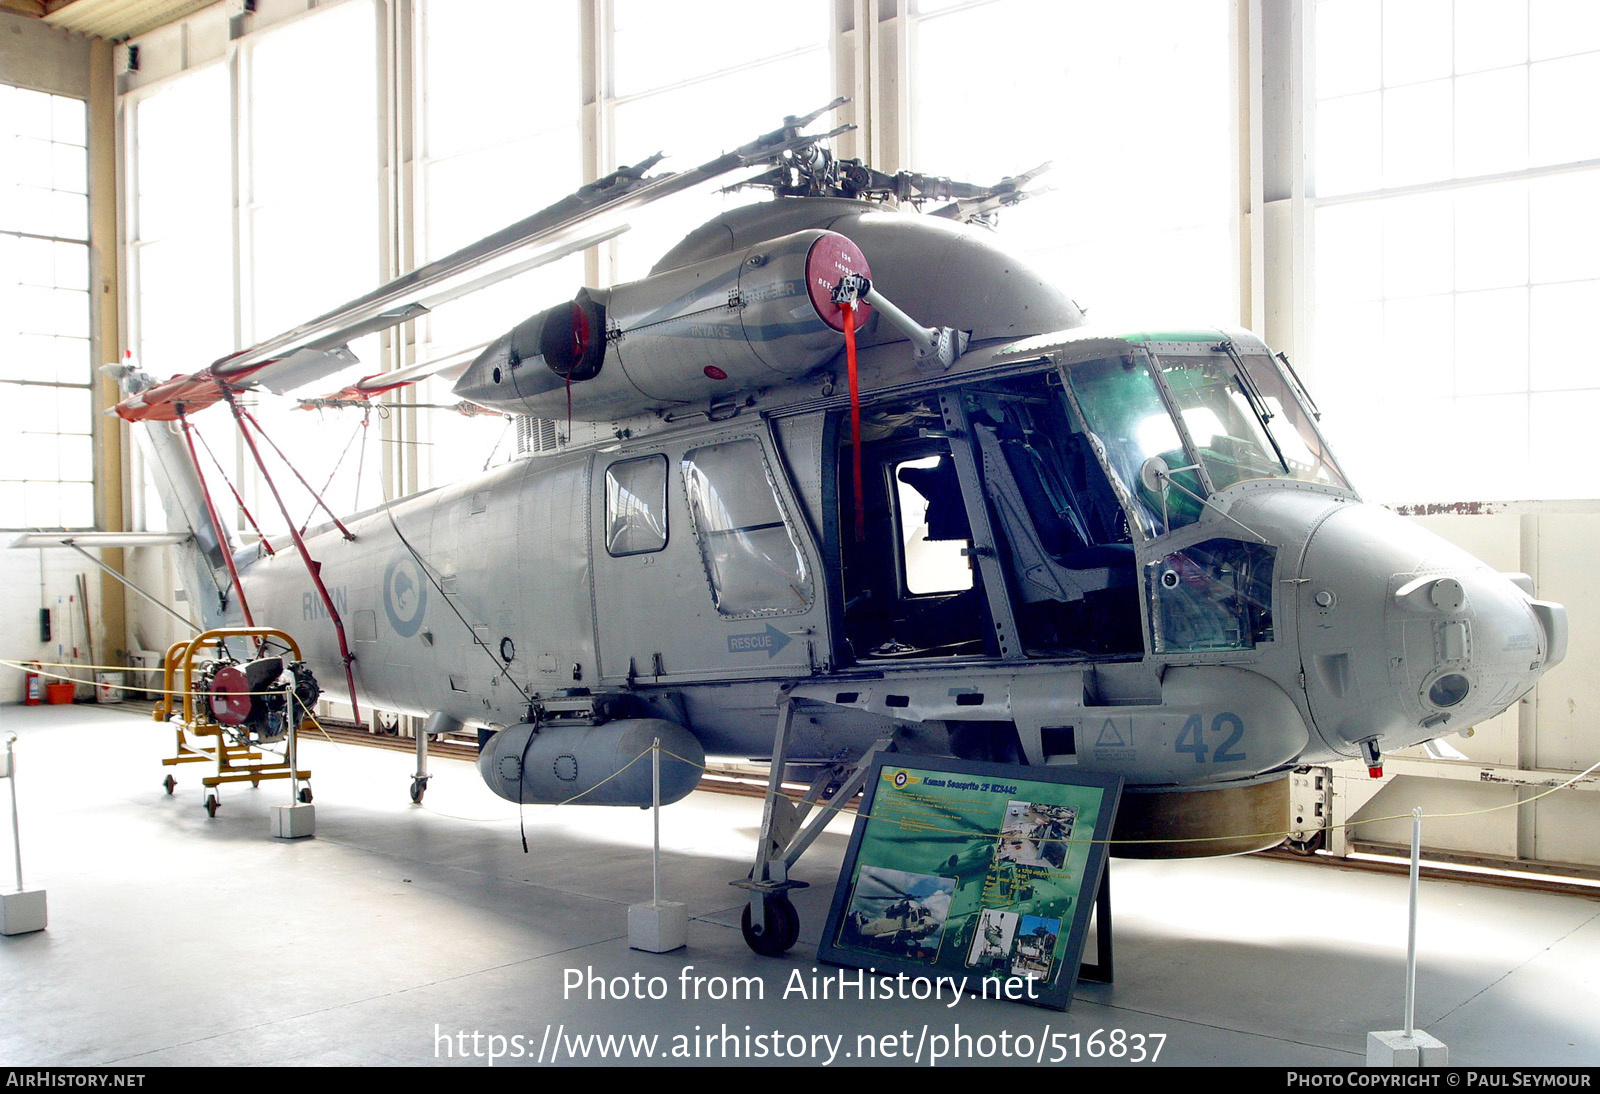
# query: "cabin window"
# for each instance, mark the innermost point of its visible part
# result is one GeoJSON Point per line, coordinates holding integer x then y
{"type": "Point", "coordinates": [636, 506]}
{"type": "Point", "coordinates": [933, 526]}
{"type": "Point", "coordinates": [752, 558]}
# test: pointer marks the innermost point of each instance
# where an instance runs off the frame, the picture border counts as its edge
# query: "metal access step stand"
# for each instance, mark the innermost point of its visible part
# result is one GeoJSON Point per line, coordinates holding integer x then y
{"type": "Point", "coordinates": [235, 763]}
{"type": "Point", "coordinates": [770, 923]}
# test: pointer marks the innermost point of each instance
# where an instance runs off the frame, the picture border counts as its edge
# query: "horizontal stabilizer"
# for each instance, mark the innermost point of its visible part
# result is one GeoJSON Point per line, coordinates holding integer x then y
{"type": "Point", "coordinates": [100, 539]}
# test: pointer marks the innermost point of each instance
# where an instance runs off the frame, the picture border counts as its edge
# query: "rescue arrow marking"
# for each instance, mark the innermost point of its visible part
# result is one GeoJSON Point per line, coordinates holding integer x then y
{"type": "Point", "coordinates": [772, 640]}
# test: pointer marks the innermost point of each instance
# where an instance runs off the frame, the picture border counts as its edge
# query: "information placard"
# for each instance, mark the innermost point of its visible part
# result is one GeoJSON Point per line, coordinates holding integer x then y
{"type": "Point", "coordinates": [970, 871]}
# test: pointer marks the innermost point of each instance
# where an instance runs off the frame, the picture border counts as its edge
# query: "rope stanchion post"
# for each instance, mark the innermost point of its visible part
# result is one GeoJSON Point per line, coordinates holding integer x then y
{"type": "Point", "coordinates": [661, 925]}
{"type": "Point", "coordinates": [298, 818]}
{"type": "Point", "coordinates": [1409, 1047]}
{"type": "Point", "coordinates": [25, 910]}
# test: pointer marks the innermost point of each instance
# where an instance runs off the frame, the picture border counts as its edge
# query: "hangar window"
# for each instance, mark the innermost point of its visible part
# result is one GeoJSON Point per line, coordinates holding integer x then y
{"type": "Point", "coordinates": [1456, 244]}
{"type": "Point", "coordinates": [692, 59]}
{"type": "Point", "coordinates": [1154, 97]}
{"type": "Point", "coordinates": [751, 555]}
{"type": "Point", "coordinates": [480, 167]}
{"type": "Point", "coordinates": [45, 359]}
{"type": "Point", "coordinates": [636, 506]}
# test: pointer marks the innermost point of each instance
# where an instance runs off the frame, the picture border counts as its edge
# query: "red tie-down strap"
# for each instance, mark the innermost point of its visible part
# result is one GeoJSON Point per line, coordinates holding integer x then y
{"type": "Point", "coordinates": [849, 310]}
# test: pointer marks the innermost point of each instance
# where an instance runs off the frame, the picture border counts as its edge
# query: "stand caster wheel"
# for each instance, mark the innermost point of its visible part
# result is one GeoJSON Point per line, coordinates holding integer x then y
{"type": "Point", "coordinates": [170, 783]}
{"type": "Point", "coordinates": [305, 795]}
{"type": "Point", "coordinates": [782, 928]}
{"type": "Point", "coordinates": [211, 805]}
{"type": "Point", "coordinates": [418, 788]}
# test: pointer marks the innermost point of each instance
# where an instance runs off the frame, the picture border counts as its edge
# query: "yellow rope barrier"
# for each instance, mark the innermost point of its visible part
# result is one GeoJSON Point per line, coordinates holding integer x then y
{"type": "Point", "coordinates": [32, 666]}
{"type": "Point", "coordinates": [977, 834]}
{"type": "Point", "coordinates": [37, 666]}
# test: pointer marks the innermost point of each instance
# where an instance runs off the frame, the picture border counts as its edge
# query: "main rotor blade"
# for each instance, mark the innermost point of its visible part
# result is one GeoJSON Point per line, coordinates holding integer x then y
{"type": "Point", "coordinates": [549, 228]}
{"type": "Point", "coordinates": [578, 221]}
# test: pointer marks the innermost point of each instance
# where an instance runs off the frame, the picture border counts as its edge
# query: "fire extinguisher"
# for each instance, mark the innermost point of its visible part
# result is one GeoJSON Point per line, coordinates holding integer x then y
{"type": "Point", "coordinates": [32, 685]}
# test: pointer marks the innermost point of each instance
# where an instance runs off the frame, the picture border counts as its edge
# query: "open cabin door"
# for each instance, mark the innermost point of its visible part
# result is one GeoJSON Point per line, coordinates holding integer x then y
{"type": "Point", "coordinates": [701, 570]}
{"type": "Point", "coordinates": [988, 529]}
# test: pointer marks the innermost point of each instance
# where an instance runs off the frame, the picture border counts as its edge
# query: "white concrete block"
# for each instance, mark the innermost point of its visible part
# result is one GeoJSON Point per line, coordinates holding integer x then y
{"type": "Point", "coordinates": [294, 821]}
{"type": "Point", "coordinates": [1392, 1048]}
{"type": "Point", "coordinates": [23, 912]}
{"type": "Point", "coordinates": [658, 928]}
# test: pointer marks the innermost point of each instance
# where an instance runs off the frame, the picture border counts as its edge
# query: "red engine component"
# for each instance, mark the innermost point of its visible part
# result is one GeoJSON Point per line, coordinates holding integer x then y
{"type": "Point", "coordinates": [230, 696]}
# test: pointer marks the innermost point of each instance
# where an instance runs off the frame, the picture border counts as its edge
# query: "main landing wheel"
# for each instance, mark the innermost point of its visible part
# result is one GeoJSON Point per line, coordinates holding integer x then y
{"type": "Point", "coordinates": [782, 928]}
{"type": "Point", "coordinates": [1308, 846]}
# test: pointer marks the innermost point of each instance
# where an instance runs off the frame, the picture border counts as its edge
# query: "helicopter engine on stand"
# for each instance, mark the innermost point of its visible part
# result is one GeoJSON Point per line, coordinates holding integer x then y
{"type": "Point", "coordinates": [251, 698]}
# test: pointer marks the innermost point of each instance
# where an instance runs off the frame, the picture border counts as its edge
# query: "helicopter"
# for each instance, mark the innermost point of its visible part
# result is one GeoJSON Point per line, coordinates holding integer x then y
{"type": "Point", "coordinates": [842, 477]}
{"type": "Point", "coordinates": [890, 911]}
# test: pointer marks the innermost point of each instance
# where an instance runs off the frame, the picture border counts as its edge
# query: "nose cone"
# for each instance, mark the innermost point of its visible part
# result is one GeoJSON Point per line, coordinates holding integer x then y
{"type": "Point", "coordinates": [1405, 637]}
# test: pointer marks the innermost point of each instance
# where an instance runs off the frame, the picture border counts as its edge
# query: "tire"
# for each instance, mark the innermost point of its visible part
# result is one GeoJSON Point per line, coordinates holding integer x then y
{"type": "Point", "coordinates": [782, 927]}
{"type": "Point", "coordinates": [1307, 847]}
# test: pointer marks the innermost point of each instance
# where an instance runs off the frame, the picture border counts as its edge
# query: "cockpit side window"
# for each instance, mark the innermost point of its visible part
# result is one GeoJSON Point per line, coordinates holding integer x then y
{"type": "Point", "coordinates": [1214, 596]}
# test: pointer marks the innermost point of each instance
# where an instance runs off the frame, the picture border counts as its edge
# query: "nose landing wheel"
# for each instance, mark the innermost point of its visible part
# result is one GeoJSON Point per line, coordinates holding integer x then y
{"type": "Point", "coordinates": [779, 932]}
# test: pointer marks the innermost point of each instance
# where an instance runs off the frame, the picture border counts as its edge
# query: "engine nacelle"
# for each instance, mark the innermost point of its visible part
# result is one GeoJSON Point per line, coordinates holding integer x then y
{"type": "Point", "coordinates": [555, 764]}
{"type": "Point", "coordinates": [729, 324]}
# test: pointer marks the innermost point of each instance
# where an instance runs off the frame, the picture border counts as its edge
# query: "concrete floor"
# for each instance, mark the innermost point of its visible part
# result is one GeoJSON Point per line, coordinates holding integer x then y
{"type": "Point", "coordinates": [179, 939]}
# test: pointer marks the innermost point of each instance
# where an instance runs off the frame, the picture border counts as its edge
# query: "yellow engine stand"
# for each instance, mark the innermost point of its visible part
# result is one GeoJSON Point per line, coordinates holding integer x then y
{"type": "Point", "coordinates": [236, 763]}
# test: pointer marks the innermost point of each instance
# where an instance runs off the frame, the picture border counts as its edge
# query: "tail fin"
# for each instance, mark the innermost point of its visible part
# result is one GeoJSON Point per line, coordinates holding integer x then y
{"type": "Point", "coordinates": [202, 564]}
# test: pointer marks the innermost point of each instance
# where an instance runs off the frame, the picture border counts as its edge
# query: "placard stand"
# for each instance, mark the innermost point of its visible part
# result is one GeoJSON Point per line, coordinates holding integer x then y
{"type": "Point", "coordinates": [1099, 971]}
{"type": "Point", "coordinates": [982, 874]}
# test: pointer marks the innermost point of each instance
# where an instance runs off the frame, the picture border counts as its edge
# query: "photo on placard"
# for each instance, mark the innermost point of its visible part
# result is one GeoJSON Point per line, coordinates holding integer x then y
{"type": "Point", "coordinates": [1036, 946]}
{"type": "Point", "coordinates": [952, 862]}
{"type": "Point", "coordinates": [897, 912]}
{"type": "Point", "coordinates": [1035, 834]}
{"type": "Point", "coordinates": [991, 942]}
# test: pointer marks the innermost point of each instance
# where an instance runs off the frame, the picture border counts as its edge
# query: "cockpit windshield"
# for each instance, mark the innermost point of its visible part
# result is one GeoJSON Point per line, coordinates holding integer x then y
{"type": "Point", "coordinates": [1299, 443]}
{"type": "Point", "coordinates": [1123, 410]}
{"type": "Point", "coordinates": [1211, 418]}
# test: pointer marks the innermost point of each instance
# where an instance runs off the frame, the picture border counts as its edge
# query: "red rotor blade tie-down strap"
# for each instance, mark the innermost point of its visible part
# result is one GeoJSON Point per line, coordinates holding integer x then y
{"type": "Point", "coordinates": [234, 490]}
{"type": "Point", "coordinates": [216, 522]}
{"type": "Point", "coordinates": [243, 414]}
{"type": "Point", "coordinates": [855, 414]}
{"type": "Point", "coordinates": [313, 567]}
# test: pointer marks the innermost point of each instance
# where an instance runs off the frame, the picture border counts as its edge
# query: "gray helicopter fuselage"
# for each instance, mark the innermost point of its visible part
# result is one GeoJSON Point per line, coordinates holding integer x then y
{"type": "Point", "coordinates": [710, 557]}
